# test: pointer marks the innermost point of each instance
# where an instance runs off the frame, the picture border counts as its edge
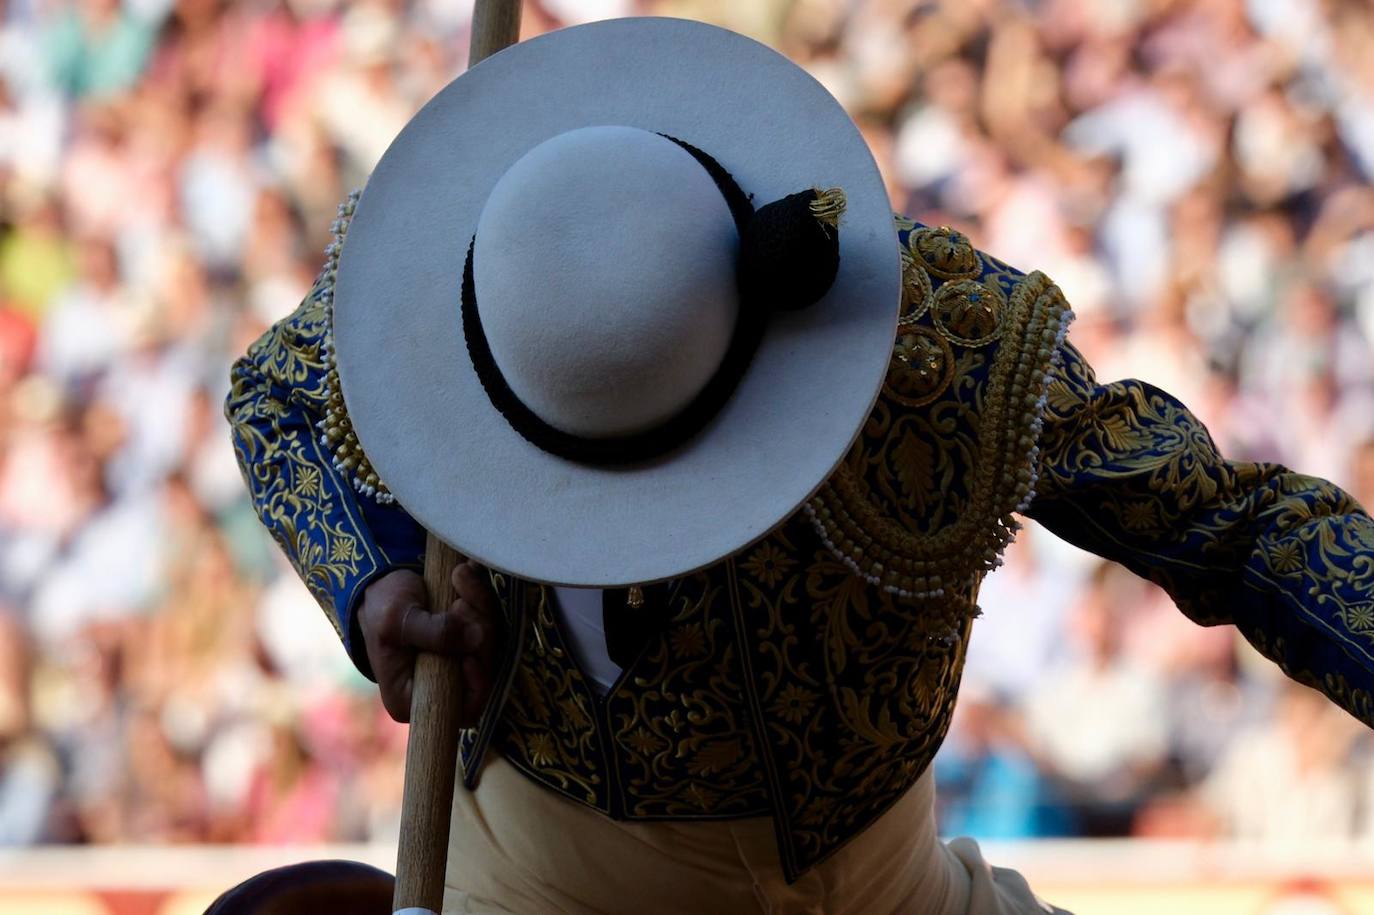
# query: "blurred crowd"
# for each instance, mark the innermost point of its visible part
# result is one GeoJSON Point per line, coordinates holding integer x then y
{"type": "Point", "coordinates": [1194, 173]}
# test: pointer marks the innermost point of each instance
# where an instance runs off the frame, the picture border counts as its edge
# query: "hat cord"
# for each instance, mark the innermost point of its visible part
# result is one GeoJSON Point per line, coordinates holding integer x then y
{"type": "Point", "coordinates": [788, 258]}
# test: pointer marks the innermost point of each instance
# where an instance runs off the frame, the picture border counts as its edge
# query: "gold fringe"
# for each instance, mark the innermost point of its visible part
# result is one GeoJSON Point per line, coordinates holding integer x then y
{"type": "Point", "coordinates": [829, 206]}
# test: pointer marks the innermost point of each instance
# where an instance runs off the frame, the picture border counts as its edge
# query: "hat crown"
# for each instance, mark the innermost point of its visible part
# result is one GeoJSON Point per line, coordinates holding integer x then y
{"type": "Point", "coordinates": [604, 271]}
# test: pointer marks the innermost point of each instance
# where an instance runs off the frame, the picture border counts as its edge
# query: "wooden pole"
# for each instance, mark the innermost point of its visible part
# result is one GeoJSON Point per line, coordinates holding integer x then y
{"type": "Point", "coordinates": [495, 25]}
{"type": "Point", "coordinates": [432, 750]}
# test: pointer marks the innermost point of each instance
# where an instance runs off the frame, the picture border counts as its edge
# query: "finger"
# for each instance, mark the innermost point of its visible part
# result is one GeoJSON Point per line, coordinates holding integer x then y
{"type": "Point", "coordinates": [389, 624]}
{"type": "Point", "coordinates": [480, 631]}
{"type": "Point", "coordinates": [462, 574]}
{"type": "Point", "coordinates": [396, 697]}
{"type": "Point", "coordinates": [471, 583]}
{"type": "Point", "coordinates": [438, 633]}
{"type": "Point", "coordinates": [477, 594]}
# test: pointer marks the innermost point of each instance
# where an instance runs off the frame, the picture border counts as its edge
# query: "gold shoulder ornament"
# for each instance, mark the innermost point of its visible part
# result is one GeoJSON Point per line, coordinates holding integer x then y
{"type": "Point", "coordinates": [961, 316]}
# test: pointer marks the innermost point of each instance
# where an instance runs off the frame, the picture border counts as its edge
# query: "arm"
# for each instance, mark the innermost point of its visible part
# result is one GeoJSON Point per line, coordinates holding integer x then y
{"type": "Point", "coordinates": [338, 540]}
{"type": "Point", "coordinates": [1128, 473]}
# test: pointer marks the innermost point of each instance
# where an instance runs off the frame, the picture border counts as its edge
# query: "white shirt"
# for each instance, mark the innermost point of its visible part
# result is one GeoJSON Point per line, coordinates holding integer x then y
{"type": "Point", "coordinates": [579, 617]}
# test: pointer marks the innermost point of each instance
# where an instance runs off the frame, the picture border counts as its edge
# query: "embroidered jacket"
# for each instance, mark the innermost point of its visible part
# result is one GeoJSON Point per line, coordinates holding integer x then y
{"type": "Point", "coordinates": [812, 676]}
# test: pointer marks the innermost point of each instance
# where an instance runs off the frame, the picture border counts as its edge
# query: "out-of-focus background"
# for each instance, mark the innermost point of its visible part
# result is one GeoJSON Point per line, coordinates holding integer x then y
{"type": "Point", "coordinates": [1194, 173]}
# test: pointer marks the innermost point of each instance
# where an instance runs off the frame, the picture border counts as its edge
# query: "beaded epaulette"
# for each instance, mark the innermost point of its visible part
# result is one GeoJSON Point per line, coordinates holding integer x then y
{"type": "Point", "coordinates": [956, 305]}
{"type": "Point", "coordinates": [336, 429]}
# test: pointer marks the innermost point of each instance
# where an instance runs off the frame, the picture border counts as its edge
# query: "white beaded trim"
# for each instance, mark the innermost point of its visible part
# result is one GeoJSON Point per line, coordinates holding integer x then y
{"type": "Point", "coordinates": [995, 561]}
{"type": "Point", "coordinates": [336, 432]}
{"type": "Point", "coordinates": [1038, 424]}
{"type": "Point", "coordinates": [853, 565]}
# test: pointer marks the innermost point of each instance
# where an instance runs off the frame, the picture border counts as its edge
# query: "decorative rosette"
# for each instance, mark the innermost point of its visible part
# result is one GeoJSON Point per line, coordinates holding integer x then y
{"type": "Point", "coordinates": [336, 430]}
{"type": "Point", "coordinates": [945, 252]}
{"type": "Point", "coordinates": [969, 312]}
{"type": "Point", "coordinates": [922, 366]}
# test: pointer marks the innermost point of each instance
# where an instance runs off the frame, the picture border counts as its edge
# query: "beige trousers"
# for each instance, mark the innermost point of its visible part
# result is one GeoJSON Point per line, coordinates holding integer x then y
{"type": "Point", "coordinates": [519, 849]}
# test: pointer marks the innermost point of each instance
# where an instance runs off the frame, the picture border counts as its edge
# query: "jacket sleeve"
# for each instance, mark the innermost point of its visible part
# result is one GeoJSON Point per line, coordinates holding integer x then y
{"type": "Point", "coordinates": [337, 538]}
{"type": "Point", "coordinates": [1128, 473]}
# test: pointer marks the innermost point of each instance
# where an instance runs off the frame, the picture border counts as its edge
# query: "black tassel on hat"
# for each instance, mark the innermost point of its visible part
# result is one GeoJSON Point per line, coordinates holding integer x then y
{"type": "Point", "coordinates": [790, 250]}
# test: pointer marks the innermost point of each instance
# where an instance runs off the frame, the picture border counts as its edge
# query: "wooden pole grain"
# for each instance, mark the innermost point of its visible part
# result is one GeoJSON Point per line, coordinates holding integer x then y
{"type": "Point", "coordinates": [431, 757]}
{"type": "Point", "coordinates": [432, 748]}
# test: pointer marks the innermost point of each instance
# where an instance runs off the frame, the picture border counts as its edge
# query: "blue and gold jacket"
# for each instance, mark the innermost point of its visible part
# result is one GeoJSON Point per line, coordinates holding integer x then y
{"type": "Point", "coordinates": [811, 677]}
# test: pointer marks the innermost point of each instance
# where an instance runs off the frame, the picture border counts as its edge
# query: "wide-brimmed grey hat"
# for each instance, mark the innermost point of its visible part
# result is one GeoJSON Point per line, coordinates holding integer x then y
{"type": "Point", "coordinates": [575, 182]}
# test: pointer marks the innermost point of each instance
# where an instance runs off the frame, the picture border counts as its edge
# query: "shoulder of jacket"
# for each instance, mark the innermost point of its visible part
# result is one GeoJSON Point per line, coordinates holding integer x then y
{"type": "Point", "coordinates": [924, 501]}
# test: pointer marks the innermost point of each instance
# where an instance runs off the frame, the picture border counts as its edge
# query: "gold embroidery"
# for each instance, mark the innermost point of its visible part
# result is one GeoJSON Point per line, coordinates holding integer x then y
{"type": "Point", "coordinates": [921, 368]}
{"type": "Point", "coordinates": [917, 292]}
{"type": "Point", "coordinates": [561, 750]}
{"type": "Point", "coordinates": [855, 688]}
{"type": "Point", "coordinates": [945, 253]}
{"type": "Point", "coordinates": [828, 206]}
{"type": "Point", "coordinates": [970, 453]}
{"type": "Point", "coordinates": [673, 732]}
{"type": "Point", "coordinates": [768, 563]}
{"type": "Point", "coordinates": [281, 459]}
{"type": "Point", "coordinates": [1127, 467]}
{"type": "Point", "coordinates": [784, 679]}
{"type": "Point", "coordinates": [677, 722]}
{"type": "Point", "coordinates": [1359, 618]}
{"type": "Point", "coordinates": [969, 312]}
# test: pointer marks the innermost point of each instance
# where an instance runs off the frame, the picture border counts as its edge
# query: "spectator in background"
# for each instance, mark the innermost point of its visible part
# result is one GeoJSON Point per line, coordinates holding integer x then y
{"type": "Point", "coordinates": [91, 323]}
{"type": "Point", "coordinates": [96, 48]}
{"type": "Point", "coordinates": [1098, 723]}
{"type": "Point", "coordinates": [1362, 472]}
{"type": "Point", "coordinates": [291, 801]}
{"type": "Point", "coordinates": [29, 773]}
{"type": "Point", "coordinates": [37, 259]}
{"type": "Point", "coordinates": [1307, 785]}
{"type": "Point", "coordinates": [990, 784]}
{"type": "Point", "coordinates": [1024, 605]}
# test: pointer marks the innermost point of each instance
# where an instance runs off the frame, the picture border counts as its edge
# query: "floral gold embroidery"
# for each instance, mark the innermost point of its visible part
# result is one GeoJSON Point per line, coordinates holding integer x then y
{"type": "Point", "coordinates": [768, 564]}
{"type": "Point", "coordinates": [1359, 617]}
{"type": "Point", "coordinates": [794, 703]}
{"type": "Point", "coordinates": [562, 751]}
{"type": "Point", "coordinates": [969, 312]}
{"type": "Point", "coordinates": [677, 723]}
{"type": "Point", "coordinates": [917, 291]}
{"type": "Point", "coordinates": [946, 253]}
{"type": "Point", "coordinates": [921, 368]}
{"type": "Point", "coordinates": [275, 389]}
{"type": "Point", "coordinates": [830, 657]}
{"type": "Point", "coordinates": [1285, 557]}
{"type": "Point", "coordinates": [1281, 555]}
{"type": "Point", "coordinates": [541, 749]}
{"type": "Point", "coordinates": [814, 676]}
{"type": "Point", "coordinates": [688, 641]}
{"type": "Point", "coordinates": [644, 743]}
{"type": "Point", "coordinates": [923, 504]}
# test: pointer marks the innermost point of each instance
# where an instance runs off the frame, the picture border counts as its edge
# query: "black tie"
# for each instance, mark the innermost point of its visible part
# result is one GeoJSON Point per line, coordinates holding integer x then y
{"type": "Point", "coordinates": [629, 629]}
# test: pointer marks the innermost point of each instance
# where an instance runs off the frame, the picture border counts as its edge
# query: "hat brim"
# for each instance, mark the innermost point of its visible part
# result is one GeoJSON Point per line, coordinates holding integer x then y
{"type": "Point", "coordinates": [420, 413]}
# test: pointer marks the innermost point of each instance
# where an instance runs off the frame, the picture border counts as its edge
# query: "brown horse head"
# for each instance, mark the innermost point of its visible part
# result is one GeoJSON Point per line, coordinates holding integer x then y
{"type": "Point", "coordinates": [337, 887]}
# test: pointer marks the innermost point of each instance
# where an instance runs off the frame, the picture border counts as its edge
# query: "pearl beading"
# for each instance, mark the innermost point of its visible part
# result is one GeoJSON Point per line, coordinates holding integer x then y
{"type": "Point", "coordinates": [336, 429]}
{"type": "Point", "coordinates": [917, 568]}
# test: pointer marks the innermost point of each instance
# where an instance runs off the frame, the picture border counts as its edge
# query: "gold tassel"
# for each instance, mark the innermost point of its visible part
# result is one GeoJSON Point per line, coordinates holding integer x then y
{"type": "Point", "coordinates": [829, 206]}
{"type": "Point", "coordinates": [635, 599]}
